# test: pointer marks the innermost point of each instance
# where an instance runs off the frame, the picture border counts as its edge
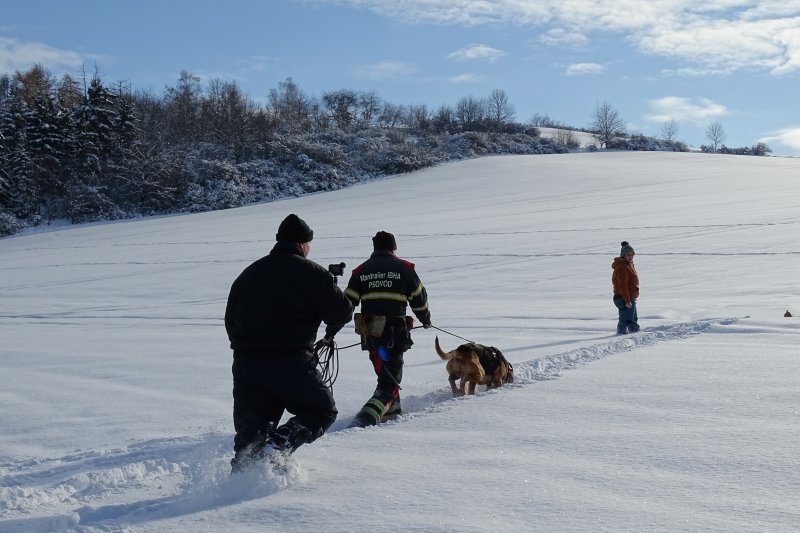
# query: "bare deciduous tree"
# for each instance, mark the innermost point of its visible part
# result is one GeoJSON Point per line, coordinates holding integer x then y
{"type": "Point", "coordinates": [669, 130]}
{"type": "Point", "coordinates": [183, 108]}
{"type": "Point", "coordinates": [500, 109]}
{"type": "Point", "coordinates": [607, 124]}
{"type": "Point", "coordinates": [369, 105]}
{"type": "Point", "coordinates": [228, 114]}
{"type": "Point", "coordinates": [418, 118]}
{"type": "Point", "coordinates": [444, 119]}
{"type": "Point", "coordinates": [289, 107]}
{"type": "Point", "coordinates": [470, 111]}
{"type": "Point", "coordinates": [341, 105]}
{"type": "Point", "coordinates": [716, 134]}
{"type": "Point", "coordinates": [541, 121]}
{"type": "Point", "coordinates": [566, 138]}
{"type": "Point", "coordinates": [390, 115]}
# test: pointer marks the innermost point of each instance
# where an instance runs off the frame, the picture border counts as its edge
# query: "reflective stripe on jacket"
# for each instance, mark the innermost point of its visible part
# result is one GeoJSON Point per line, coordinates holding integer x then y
{"type": "Point", "coordinates": [385, 285]}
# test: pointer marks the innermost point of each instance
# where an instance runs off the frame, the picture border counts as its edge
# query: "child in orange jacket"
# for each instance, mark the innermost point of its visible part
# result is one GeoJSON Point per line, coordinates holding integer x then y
{"type": "Point", "coordinates": [626, 290]}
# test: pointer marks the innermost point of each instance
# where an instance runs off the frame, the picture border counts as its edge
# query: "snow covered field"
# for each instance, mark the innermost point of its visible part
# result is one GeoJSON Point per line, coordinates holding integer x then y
{"type": "Point", "coordinates": [116, 389]}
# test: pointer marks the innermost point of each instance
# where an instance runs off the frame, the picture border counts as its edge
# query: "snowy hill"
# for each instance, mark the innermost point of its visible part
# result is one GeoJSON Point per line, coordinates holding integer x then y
{"type": "Point", "coordinates": [583, 138]}
{"type": "Point", "coordinates": [116, 396]}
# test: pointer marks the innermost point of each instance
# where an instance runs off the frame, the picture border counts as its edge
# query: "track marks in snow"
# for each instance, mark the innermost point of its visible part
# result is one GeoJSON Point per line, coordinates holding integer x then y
{"type": "Point", "coordinates": [181, 476]}
{"type": "Point", "coordinates": [159, 479]}
{"type": "Point", "coordinates": [550, 367]}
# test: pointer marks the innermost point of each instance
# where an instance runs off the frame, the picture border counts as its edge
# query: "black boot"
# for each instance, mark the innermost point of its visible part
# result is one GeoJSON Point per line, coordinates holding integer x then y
{"type": "Point", "coordinates": [393, 411]}
{"type": "Point", "coordinates": [370, 414]}
{"type": "Point", "coordinates": [288, 437]}
{"type": "Point", "coordinates": [244, 458]}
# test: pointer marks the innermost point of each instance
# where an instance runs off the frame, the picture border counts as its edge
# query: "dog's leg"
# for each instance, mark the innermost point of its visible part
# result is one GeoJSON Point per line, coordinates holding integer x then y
{"type": "Point", "coordinates": [462, 385]}
{"type": "Point", "coordinates": [452, 380]}
{"type": "Point", "coordinates": [472, 385]}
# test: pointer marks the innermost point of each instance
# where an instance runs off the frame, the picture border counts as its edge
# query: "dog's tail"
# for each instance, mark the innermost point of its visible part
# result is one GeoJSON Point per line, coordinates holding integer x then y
{"type": "Point", "coordinates": [442, 354]}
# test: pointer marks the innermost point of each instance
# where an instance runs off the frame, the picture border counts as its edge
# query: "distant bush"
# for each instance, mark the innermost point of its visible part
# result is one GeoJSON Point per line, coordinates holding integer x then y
{"type": "Point", "coordinates": [759, 149]}
{"type": "Point", "coordinates": [638, 142]}
{"type": "Point", "coordinates": [9, 224]}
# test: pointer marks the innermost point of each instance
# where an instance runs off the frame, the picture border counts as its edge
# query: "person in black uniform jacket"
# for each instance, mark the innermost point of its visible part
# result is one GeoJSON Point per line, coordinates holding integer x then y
{"type": "Point", "coordinates": [384, 285]}
{"type": "Point", "coordinates": [274, 310]}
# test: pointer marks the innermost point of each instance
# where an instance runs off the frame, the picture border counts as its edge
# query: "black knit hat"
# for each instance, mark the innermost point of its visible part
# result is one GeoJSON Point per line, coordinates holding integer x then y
{"type": "Point", "coordinates": [294, 229]}
{"type": "Point", "coordinates": [383, 240]}
{"type": "Point", "coordinates": [626, 249]}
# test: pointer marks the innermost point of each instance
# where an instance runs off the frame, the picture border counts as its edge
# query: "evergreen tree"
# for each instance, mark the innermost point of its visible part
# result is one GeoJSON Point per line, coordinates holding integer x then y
{"type": "Point", "coordinates": [24, 194]}
{"type": "Point", "coordinates": [5, 129]}
{"type": "Point", "coordinates": [87, 196]}
{"type": "Point", "coordinates": [5, 185]}
{"type": "Point", "coordinates": [45, 148]}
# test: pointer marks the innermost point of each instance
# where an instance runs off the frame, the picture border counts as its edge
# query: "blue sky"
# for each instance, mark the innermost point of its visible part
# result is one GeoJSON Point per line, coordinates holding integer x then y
{"type": "Point", "coordinates": [735, 62]}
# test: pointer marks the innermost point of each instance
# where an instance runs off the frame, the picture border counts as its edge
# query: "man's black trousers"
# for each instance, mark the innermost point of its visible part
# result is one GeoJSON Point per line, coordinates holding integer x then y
{"type": "Point", "coordinates": [263, 388]}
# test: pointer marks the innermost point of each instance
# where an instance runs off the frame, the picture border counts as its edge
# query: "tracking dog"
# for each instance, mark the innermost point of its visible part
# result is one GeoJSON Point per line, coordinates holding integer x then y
{"type": "Point", "coordinates": [492, 369]}
{"type": "Point", "coordinates": [462, 364]}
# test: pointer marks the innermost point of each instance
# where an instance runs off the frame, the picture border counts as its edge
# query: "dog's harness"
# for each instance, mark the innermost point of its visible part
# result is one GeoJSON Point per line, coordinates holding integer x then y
{"type": "Point", "coordinates": [489, 357]}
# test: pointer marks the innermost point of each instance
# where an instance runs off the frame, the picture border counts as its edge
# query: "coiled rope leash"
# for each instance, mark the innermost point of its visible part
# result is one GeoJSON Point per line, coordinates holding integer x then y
{"type": "Point", "coordinates": [327, 355]}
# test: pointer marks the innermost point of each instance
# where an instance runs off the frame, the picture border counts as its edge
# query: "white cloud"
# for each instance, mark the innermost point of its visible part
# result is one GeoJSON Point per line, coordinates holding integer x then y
{"type": "Point", "coordinates": [477, 52]}
{"type": "Point", "coordinates": [711, 37]}
{"type": "Point", "coordinates": [585, 69]}
{"type": "Point", "coordinates": [386, 70]}
{"type": "Point", "coordinates": [721, 46]}
{"type": "Point", "coordinates": [682, 109]}
{"type": "Point", "coordinates": [461, 12]}
{"type": "Point", "coordinates": [466, 78]}
{"type": "Point", "coordinates": [563, 38]}
{"type": "Point", "coordinates": [787, 137]}
{"type": "Point", "coordinates": [790, 38]}
{"type": "Point", "coordinates": [254, 63]}
{"type": "Point", "coordinates": [772, 8]}
{"type": "Point", "coordinates": [17, 55]}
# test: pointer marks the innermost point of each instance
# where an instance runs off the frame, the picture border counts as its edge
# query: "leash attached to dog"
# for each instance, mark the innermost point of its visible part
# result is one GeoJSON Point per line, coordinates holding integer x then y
{"type": "Point", "coordinates": [327, 355]}
{"type": "Point", "coordinates": [453, 334]}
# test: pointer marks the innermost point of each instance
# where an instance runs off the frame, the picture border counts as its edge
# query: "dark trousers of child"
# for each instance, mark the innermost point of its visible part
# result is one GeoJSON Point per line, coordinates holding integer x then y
{"type": "Point", "coordinates": [628, 321]}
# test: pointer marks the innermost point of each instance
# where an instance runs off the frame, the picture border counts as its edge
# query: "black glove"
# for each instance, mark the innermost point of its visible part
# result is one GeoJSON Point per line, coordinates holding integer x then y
{"type": "Point", "coordinates": [427, 325]}
{"type": "Point", "coordinates": [327, 340]}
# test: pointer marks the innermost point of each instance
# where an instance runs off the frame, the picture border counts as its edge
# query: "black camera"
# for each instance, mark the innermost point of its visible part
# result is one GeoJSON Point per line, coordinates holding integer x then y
{"type": "Point", "coordinates": [337, 270]}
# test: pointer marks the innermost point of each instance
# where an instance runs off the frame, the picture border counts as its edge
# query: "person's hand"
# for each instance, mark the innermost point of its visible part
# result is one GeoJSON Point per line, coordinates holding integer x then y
{"type": "Point", "coordinates": [628, 305]}
{"type": "Point", "coordinates": [427, 325]}
{"type": "Point", "coordinates": [327, 341]}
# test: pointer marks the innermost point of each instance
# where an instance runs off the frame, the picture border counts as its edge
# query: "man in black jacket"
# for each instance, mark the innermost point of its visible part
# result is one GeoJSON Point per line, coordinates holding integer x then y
{"type": "Point", "coordinates": [274, 310]}
{"type": "Point", "coordinates": [384, 285]}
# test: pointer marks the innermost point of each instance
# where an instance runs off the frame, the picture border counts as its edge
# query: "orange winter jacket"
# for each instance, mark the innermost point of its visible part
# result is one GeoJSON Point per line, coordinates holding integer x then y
{"type": "Point", "coordinates": [625, 280]}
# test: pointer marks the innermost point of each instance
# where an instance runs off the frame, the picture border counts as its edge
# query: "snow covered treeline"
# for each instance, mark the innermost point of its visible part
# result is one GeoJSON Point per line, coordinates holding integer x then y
{"type": "Point", "coordinates": [86, 151]}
